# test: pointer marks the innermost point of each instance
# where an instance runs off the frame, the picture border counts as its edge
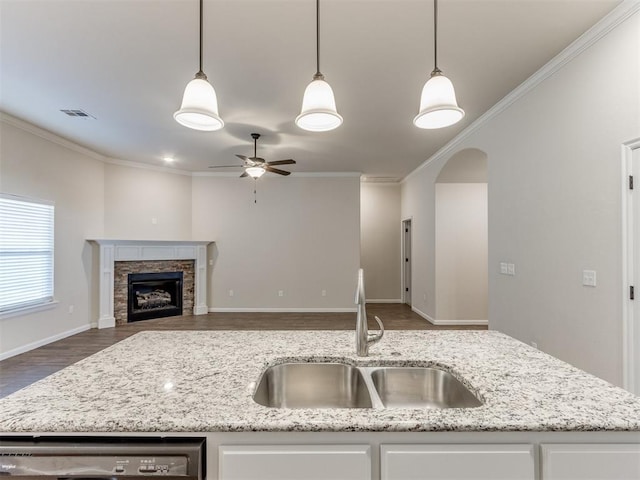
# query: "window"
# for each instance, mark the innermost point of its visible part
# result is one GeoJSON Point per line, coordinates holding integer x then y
{"type": "Point", "coordinates": [26, 252]}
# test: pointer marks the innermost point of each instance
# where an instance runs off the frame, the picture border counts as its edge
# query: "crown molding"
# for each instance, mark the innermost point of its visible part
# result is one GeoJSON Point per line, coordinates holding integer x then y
{"type": "Point", "coordinates": [146, 166]}
{"type": "Point", "coordinates": [47, 135]}
{"type": "Point", "coordinates": [609, 22]}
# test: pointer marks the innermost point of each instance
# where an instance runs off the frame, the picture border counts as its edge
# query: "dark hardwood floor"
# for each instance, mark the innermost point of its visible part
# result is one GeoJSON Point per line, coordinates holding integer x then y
{"type": "Point", "coordinates": [22, 370]}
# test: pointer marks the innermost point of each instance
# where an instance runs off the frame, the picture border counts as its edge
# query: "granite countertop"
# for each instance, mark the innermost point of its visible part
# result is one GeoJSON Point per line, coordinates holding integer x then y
{"type": "Point", "coordinates": [203, 382]}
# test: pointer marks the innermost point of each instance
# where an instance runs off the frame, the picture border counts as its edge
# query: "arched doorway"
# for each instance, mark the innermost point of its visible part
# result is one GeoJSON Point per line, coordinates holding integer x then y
{"type": "Point", "coordinates": [461, 243]}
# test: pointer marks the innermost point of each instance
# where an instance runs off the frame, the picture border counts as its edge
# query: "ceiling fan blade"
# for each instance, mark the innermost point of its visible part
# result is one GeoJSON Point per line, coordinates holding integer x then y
{"type": "Point", "coordinates": [276, 170]}
{"type": "Point", "coordinates": [225, 166]}
{"type": "Point", "coordinates": [242, 157]}
{"type": "Point", "coordinates": [289, 161]}
{"type": "Point", "coordinates": [244, 174]}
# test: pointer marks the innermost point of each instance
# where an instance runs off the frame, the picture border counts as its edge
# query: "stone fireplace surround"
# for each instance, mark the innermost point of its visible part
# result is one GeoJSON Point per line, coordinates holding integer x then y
{"type": "Point", "coordinates": [112, 251]}
{"type": "Point", "coordinates": [121, 284]}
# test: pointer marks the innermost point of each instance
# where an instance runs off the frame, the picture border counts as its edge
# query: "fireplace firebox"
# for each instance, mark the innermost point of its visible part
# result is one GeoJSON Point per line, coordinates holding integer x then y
{"type": "Point", "coordinates": [154, 295]}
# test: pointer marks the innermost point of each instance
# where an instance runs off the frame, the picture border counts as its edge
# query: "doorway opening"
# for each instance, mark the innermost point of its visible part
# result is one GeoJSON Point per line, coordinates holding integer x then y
{"type": "Point", "coordinates": [461, 240]}
{"type": "Point", "coordinates": [631, 266]}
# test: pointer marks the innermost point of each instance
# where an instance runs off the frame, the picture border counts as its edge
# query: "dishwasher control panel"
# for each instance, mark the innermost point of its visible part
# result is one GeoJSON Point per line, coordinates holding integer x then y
{"type": "Point", "coordinates": [92, 457]}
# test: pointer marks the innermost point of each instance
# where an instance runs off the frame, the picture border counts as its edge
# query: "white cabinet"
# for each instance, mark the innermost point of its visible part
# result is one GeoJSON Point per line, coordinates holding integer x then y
{"type": "Point", "coordinates": [590, 461]}
{"type": "Point", "coordinates": [457, 462]}
{"type": "Point", "coordinates": [294, 462]}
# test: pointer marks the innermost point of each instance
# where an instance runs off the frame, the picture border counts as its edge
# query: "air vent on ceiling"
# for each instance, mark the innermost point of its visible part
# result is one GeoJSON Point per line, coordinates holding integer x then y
{"type": "Point", "coordinates": [77, 113]}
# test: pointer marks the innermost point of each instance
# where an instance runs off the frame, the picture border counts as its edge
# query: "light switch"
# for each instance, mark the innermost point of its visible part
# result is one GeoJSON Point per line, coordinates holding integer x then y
{"type": "Point", "coordinates": [503, 268]}
{"type": "Point", "coordinates": [589, 278]}
{"type": "Point", "coordinates": [511, 269]}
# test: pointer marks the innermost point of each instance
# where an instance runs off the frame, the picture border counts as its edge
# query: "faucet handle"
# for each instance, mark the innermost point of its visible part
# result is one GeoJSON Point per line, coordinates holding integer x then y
{"type": "Point", "coordinates": [376, 337]}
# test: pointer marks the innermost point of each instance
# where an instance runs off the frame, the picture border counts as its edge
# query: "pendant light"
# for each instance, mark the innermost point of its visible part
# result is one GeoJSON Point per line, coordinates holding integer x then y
{"type": "Point", "coordinates": [199, 109]}
{"type": "Point", "coordinates": [319, 112]}
{"type": "Point", "coordinates": [438, 105]}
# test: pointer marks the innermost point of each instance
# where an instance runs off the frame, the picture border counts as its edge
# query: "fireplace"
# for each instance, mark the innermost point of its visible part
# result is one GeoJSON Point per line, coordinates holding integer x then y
{"type": "Point", "coordinates": [118, 258]}
{"type": "Point", "coordinates": [154, 295]}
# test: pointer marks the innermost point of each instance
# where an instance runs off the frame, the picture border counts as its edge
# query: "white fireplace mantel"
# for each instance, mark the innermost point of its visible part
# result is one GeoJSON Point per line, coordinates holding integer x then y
{"type": "Point", "coordinates": [112, 251]}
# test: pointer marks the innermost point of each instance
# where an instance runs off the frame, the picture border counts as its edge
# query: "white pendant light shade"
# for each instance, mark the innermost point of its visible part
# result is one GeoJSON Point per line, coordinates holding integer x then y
{"type": "Point", "coordinates": [255, 172]}
{"type": "Point", "coordinates": [319, 113]}
{"type": "Point", "coordinates": [438, 104]}
{"type": "Point", "coordinates": [199, 109]}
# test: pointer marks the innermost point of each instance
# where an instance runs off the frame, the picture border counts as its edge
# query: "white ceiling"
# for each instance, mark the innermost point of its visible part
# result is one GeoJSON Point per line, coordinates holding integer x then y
{"type": "Point", "coordinates": [126, 62]}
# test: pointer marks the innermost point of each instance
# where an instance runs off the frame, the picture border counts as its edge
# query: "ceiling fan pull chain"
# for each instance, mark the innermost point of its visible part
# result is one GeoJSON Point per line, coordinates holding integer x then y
{"type": "Point", "coordinates": [255, 193]}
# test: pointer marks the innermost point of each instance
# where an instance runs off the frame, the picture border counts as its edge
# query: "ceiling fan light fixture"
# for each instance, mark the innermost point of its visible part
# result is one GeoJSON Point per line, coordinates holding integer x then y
{"type": "Point", "coordinates": [319, 113]}
{"type": "Point", "coordinates": [255, 172]}
{"type": "Point", "coordinates": [438, 104]}
{"type": "Point", "coordinates": [199, 109]}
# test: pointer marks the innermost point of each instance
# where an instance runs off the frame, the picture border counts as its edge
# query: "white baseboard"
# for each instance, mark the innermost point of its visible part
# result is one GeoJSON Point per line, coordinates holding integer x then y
{"type": "Point", "coordinates": [433, 321]}
{"type": "Point", "coordinates": [44, 341]}
{"type": "Point", "coordinates": [423, 315]}
{"type": "Point", "coordinates": [461, 322]}
{"type": "Point", "coordinates": [107, 322]}
{"type": "Point", "coordinates": [280, 310]}
{"type": "Point", "coordinates": [200, 310]}
{"type": "Point", "coordinates": [384, 300]}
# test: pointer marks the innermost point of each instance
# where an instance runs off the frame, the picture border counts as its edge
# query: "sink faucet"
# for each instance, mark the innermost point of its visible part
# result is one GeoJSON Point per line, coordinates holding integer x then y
{"type": "Point", "coordinates": [363, 338]}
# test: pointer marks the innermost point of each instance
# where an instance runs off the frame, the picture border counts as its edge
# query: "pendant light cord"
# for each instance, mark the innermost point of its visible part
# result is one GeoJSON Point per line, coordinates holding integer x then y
{"type": "Point", "coordinates": [435, 36]}
{"type": "Point", "coordinates": [200, 71]}
{"type": "Point", "coordinates": [318, 37]}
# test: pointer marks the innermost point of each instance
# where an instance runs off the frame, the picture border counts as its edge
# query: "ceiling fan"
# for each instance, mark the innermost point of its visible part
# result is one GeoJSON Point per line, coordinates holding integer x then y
{"type": "Point", "coordinates": [256, 166]}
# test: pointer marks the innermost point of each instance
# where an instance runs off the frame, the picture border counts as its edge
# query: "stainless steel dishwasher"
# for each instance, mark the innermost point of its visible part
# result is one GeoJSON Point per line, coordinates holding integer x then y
{"type": "Point", "coordinates": [102, 458]}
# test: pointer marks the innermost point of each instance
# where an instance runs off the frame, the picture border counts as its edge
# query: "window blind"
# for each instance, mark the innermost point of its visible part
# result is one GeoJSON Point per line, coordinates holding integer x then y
{"type": "Point", "coordinates": [26, 252]}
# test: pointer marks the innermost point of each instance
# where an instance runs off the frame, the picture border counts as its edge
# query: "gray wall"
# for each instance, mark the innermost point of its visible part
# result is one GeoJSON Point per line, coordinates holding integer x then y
{"type": "Point", "coordinates": [554, 193]}
{"type": "Point", "coordinates": [33, 166]}
{"type": "Point", "coordinates": [302, 237]}
{"type": "Point", "coordinates": [381, 231]}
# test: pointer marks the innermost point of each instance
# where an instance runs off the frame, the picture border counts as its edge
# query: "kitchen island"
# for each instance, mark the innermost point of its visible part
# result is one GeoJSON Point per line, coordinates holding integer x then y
{"type": "Point", "coordinates": [200, 384]}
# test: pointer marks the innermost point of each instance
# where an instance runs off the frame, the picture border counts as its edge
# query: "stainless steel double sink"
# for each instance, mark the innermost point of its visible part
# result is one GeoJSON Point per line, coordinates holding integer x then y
{"type": "Point", "coordinates": [339, 385]}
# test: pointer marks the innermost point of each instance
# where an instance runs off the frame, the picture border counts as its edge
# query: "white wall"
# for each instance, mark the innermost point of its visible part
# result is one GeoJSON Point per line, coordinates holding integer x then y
{"type": "Point", "coordinates": [381, 241]}
{"type": "Point", "coordinates": [34, 166]}
{"type": "Point", "coordinates": [302, 236]}
{"type": "Point", "coordinates": [461, 252]}
{"type": "Point", "coordinates": [145, 204]}
{"type": "Point", "coordinates": [555, 204]}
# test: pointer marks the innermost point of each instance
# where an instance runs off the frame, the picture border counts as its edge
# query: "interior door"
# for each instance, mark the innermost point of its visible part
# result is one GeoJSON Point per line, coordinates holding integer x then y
{"type": "Point", "coordinates": [406, 261]}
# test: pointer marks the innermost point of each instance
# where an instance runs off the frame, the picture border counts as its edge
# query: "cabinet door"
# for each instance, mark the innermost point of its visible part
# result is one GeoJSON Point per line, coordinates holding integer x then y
{"type": "Point", "coordinates": [591, 461]}
{"type": "Point", "coordinates": [457, 462]}
{"type": "Point", "coordinates": [294, 462]}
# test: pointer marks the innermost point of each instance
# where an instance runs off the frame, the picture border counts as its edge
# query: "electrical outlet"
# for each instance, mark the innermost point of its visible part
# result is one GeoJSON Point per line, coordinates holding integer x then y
{"type": "Point", "coordinates": [324, 293]}
{"type": "Point", "coordinates": [70, 309]}
{"type": "Point", "coordinates": [154, 221]}
{"type": "Point", "coordinates": [503, 268]}
{"type": "Point", "coordinates": [231, 293]}
{"type": "Point", "coordinates": [589, 278]}
{"type": "Point", "coordinates": [211, 263]}
{"type": "Point", "coordinates": [281, 293]}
